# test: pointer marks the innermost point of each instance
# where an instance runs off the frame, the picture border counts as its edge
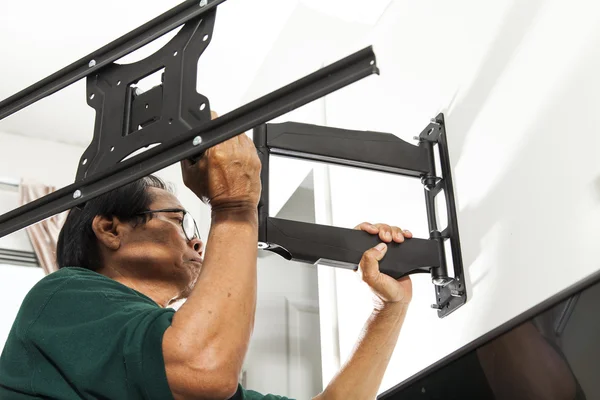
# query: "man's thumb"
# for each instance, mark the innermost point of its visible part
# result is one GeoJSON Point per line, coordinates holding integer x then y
{"type": "Point", "coordinates": [369, 264]}
{"type": "Point", "coordinates": [381, 250]}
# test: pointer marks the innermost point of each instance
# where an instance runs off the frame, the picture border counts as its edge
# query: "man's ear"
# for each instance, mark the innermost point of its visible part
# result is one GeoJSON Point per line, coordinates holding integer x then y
{"type": "Point", "coordinates": [108, 231]}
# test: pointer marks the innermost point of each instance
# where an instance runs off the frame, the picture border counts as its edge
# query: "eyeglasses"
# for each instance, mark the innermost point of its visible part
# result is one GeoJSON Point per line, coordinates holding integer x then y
{"type": "Point", "coordinates": [188, 224]}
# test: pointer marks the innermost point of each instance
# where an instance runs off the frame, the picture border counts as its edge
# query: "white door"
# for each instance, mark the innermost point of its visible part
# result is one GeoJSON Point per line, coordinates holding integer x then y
{"type": "Point", "coordinates": [284, 357]}
{"type": "Point", "coordinates": [304, 352]}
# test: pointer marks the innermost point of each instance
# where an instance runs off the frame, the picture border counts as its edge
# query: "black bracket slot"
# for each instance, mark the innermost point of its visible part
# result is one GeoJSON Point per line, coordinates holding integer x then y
{"type": "Point", "coordinates": [340, 247]}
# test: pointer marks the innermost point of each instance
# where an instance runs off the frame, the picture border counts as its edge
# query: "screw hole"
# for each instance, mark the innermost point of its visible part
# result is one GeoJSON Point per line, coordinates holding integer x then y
{"type": "Point", "coordinates": [147, 106]}
{"type": "Point", "coordinates": [84, 162]}
{"type": "Point", "coordinates": [92, 96]}
{"type": "Point", "coordinates": [202, 106]}
{"type": "Point", "coordinates": [439, 299]}
{"type": "Point", "coordinates": [372, 62]}
{"type": "Point", "coordinates": [119, 83]}
{"type": "Point", "coordinates": [170, 121]}
{"type": "Point", "coordinates": [112, 148]}
{"type": "Point", "coordinates": [430, 131]}
{"type": "Point", "coordinates": [175, 54]}
{"type": "Point", "coordinates": [205, 38]}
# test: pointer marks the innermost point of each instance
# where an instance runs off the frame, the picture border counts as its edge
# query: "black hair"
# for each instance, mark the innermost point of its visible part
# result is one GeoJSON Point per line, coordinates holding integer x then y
{"type": "Point", "coordinates": [77, 243]}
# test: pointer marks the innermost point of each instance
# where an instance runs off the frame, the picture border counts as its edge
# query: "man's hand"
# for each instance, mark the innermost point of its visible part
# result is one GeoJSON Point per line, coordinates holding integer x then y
{"type": "Point", "coordinates": [205, 346]}
{"type": "Point", "coordinates": [361, 376]}
{"type": "Point", "coordinates": [227, 175]}
{"type": "Point", "coordinates": [387, 289]}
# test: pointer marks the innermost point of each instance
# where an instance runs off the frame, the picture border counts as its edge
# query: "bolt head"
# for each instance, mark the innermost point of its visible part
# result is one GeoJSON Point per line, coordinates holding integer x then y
{"type": "Point", "coordinates": [77, 194]}
{"type": "Point", "coordinates": [197, 140]}
{"type": "Point", "coordinates": [92, 63]}
{"type": "Point", "coordinates": [203, 3]}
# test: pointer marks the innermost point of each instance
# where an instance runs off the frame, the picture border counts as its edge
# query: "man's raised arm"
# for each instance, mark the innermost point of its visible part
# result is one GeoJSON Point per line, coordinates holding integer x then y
{"type": "Point", "coordinates": [360, 377]}
{"type": "Point", "coordinates": [205, 346]}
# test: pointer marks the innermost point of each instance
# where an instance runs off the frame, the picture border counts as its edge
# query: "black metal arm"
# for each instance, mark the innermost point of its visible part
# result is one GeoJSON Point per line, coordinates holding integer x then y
{"type": "Point", "coordinates": [341, 247]}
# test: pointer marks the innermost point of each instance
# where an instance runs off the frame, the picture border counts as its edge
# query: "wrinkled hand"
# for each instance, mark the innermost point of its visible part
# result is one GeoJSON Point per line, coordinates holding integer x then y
{"type": "Point", "coordinates": [227, 175]}
{"type": "Point", "coordinates": [387, 289]}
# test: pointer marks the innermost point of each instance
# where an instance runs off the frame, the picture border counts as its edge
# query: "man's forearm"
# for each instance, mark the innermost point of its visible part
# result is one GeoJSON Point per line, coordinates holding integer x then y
{"type": "Point", "coordinates": [361, 375]}
{"type": "Point", "coordinates": [218, 316]}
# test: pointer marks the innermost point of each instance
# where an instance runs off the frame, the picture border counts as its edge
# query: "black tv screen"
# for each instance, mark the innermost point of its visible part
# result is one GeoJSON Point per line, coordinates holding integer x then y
{"type": "Point", "coordinates": [549, 352]}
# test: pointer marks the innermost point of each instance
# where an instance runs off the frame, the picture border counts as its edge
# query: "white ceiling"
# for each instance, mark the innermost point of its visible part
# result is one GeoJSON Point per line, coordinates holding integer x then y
{"type": "Point", "coordinates": [39, 38]}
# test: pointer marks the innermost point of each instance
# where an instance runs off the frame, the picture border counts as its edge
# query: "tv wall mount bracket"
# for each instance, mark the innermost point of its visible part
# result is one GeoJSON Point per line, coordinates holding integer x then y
{"type": "Point", "coordinates": [172, 122]}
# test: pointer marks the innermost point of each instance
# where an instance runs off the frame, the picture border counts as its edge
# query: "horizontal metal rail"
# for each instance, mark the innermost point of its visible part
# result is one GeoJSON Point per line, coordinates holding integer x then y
{"type": "Point", "coordinates": [320, 83]}
{"type": "Point", "coordinates": [89, 64]}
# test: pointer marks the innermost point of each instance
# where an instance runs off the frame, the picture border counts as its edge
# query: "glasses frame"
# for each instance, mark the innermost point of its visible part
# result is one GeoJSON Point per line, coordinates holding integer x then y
{"type": "Point", "coordinates": [185, 214]}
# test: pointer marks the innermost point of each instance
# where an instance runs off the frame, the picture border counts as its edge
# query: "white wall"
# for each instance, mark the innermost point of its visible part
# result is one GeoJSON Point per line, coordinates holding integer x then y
{"type": "Point", "coordinates": [298, 51]}
{"type": "Point", "coordinates": [518, 84]}
{"type": "Point", "coordinates": [15, 282]}
{"type": "Point", "coordinates": [44, 161]}
{"type": "Point", "coordinates": [48, 161]}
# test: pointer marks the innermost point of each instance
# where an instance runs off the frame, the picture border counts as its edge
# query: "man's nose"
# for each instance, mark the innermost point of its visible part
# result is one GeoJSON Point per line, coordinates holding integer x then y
{"type": "Point", "coordinates": [197, 245]}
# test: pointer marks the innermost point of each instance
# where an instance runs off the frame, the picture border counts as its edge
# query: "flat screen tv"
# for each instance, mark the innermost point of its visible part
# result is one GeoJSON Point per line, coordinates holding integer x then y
{"type": "Point", "coordinates": [551, 351]}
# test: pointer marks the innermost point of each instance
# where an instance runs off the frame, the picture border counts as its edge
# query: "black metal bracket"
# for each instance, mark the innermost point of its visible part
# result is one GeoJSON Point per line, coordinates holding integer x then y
{"type": "Point", "coordinates": [175, 119]}
{"type": "Point", "coordinates": [128, 119]}
{"type": "Point", "coordinates": [340, 247]}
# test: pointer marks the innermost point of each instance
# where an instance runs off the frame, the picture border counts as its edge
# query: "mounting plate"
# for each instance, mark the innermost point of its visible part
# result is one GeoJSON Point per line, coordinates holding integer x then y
{"type": "Point", "coordinates": [127, 119]}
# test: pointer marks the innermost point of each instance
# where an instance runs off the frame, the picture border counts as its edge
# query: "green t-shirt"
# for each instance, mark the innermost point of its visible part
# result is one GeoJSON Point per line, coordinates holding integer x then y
{"type": "Point", "coordinates": [81, 335]}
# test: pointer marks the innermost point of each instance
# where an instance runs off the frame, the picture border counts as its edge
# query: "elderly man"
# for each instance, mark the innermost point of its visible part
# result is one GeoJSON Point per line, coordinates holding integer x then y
{"type": "Point", "coordinates": [101, 326]}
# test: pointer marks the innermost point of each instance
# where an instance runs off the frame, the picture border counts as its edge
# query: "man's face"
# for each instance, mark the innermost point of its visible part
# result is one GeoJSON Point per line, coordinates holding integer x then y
{"type": "Point", "coordinates": [159, 249]}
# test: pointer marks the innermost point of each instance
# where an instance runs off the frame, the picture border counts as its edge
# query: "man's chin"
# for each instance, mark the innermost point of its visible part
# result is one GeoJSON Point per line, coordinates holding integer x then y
{"type": "Point", "coordinates": [191, 286]}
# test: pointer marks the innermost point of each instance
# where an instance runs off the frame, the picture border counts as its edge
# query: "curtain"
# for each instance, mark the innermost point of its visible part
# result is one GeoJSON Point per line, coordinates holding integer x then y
{"type": "Point", "coordinates": [44, 234]}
